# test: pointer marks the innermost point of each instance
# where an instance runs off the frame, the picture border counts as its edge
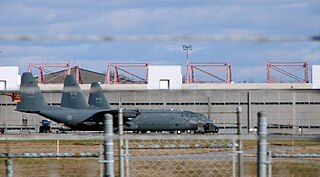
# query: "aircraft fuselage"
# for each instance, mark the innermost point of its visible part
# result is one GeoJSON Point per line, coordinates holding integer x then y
{"type": "Point", "coordinates": [142, 120]}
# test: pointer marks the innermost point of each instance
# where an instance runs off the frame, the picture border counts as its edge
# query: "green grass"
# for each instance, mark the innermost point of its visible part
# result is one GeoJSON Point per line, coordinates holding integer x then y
{"type": "Point", "coordinates": [187, 167]}
{"type": "Point", "coordinates": [252, 143]}
{"type": "Point", "coordinates": [295, 142]}
{"type": "Point", "coordinates": [297, 167]}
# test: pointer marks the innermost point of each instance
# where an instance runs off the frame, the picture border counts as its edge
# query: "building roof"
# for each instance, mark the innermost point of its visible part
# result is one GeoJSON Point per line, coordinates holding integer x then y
{"type": "Point", "coordinates": [86, 76]}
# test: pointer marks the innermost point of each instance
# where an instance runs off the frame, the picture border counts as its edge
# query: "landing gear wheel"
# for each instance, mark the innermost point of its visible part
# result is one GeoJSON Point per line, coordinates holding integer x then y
{"type": "Point", "coordinates": [216, 130]}
{"type": "Point", "coordinates": [200, 128]}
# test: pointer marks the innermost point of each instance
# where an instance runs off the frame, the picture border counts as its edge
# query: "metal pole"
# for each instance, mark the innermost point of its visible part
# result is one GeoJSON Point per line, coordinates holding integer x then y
{"type": "Point", "coordinates": [187, 54]}
{"type": "Point", "coordinates": [108, 145]}
{"type": "Point", "coordinates": [248, 111]}
{"type": "Point", "coordinates": [120, 144]}
{"type": "Point", "coordinates": [234, 158]}
{"type": "Point", "coordinates": [294, 117]}
{"type": "Point", "coordinates": [127, 158]}
{"type": "Point", "coordinates": [101, 160]}
{"type": "Point", "coordinates": [5, 127]}
{"type": "Point", "coordinates": [6, 116]}
{"type": "Point", "coordinates": [270, 164]}
{"type": "Point", "coordinates": [294, 123]}
{"type": "Point", "coordinates": [240, 164]}
{"type": "Point", "coordinates": [209, 107]}
{"type": "Point", "coordinates": [9, 164]}
{"type": "Point", "coordinates": [262, 145]}
{"type": "Point", "coordinates": [58, 147]}
{"type": "Point", "coordinates": [9, 168]}
{"type": "Point", "coordinates": [120, 99]}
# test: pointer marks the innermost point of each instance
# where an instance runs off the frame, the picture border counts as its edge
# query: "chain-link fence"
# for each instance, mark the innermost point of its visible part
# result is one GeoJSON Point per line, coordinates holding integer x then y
{"type": "Point", "coordinates": [192, 157]}
{"type": "Point", "coordinates": [50, 157]}
{"type": "Point", "coordinates": [295, 157]}
{"type": "Point", "coordinates": [158, 154]}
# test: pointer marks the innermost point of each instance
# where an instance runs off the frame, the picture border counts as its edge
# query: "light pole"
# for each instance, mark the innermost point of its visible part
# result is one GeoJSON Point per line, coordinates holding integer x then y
{"type": "Point", "coordinates": [187, 48]}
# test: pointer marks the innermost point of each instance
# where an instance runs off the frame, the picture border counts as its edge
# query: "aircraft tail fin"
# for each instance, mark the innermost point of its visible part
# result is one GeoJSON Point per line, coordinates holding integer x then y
{"type": "Point", "coordinates": [72, 96]}
{"type": "Point", "coordinates": [31, 98]}
{"type": "Point", "coordinates": [97, 98]}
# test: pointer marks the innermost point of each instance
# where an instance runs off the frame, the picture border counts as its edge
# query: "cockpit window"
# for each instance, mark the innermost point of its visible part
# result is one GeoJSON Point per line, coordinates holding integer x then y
{"type": "Point", "coordinates": [202, 117]}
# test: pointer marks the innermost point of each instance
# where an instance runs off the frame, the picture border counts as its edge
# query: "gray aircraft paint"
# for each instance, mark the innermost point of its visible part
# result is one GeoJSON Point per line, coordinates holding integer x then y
{"type": "Point", "coordinates": [32, 101]}
{"type": "Point", "coordinates": [97, 98]}
{"type": "Point", "coordinates": [77, 114]}
{"type": "Point", "coordinates": [72, 96]}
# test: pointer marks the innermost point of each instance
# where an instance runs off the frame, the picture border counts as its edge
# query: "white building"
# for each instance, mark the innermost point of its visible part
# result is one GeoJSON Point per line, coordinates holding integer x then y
{"type": "Point", "coordinates": [316, 76]}
{"type": "Point", "coordinates": [9, 78]}
{"type": "Point", "coordinates": [164, 77]}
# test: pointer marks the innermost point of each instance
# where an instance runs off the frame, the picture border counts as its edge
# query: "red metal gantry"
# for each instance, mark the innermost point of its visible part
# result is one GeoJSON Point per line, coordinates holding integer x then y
{"type": "Point", "coordinates": [42, 68]}
{"type": "Point", "coordinates": [280, 67]}
{"type": "Point", "coordinates": [215, 67]}
{"type": "Point", "coordinates": [127, 73]}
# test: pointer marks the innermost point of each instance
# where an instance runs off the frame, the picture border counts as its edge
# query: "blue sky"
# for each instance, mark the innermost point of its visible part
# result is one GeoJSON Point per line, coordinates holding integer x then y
{"type": "Point", "coordinates": [162, 17]}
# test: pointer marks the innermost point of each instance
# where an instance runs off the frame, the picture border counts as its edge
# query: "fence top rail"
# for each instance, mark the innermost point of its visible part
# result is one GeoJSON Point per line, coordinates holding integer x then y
{"type": "Point", "coordinates": [154, 137]}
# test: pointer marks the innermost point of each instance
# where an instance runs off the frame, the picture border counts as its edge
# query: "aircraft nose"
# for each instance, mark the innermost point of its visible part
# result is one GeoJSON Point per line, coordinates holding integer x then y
{"type": "Point", "coordinates": [193, 122]}
{"type": "Point", "coordinates": [202, 122]}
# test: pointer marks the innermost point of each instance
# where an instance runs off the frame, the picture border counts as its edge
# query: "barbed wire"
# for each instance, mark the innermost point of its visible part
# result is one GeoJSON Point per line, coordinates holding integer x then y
{"type": "Point", "coordinates": [110, 38]}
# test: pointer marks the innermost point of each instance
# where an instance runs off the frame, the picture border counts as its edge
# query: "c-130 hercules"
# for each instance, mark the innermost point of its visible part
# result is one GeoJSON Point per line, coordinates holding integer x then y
{"type": "Point", "coordinates": [75, 113]}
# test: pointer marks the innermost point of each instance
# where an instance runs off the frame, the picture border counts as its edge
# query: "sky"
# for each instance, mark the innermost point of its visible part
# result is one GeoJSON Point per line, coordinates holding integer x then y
{"type": "Point", "coordinates": [161, 17]}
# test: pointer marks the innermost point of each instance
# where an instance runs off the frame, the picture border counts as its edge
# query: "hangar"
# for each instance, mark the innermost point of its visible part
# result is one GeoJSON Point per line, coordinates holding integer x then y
{"type": "Point", "coordinates": [290, 107]}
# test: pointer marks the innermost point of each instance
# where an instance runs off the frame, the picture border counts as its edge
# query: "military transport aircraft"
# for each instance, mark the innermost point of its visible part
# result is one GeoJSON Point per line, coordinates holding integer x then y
{"type": "Point", "coordinates": [75, 113]}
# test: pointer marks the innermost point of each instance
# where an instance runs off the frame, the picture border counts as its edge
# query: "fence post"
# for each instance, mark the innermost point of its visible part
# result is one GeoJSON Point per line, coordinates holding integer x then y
{"type": "Point", "coordinates": [9, 168]}
{"type": "Point", "coordinates": [9, 164]}
{"type": "Point", "coordinates": [262, 145]}
{"type": "Point", "coordinates": [101, 160]}
{"type": "Point", "coordinates": [120, 144]}
{"type": "Point", "coordinates": [127, 158]}
{"type": "Point", "coordinates": [248, 111]}
{"type": "Point", "coordinates": [108, 145]}
{"type": "Point", "coordinates": [270, 164]}
{"type": "Point", "coordinates": [234, 158]}
{"type": "Point", "coordinates": [240, 165]}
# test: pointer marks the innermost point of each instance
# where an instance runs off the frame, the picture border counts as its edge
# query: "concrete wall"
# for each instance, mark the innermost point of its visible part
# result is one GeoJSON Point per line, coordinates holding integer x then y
{"type": "Point", "coordinates": [290, 107]}
{"type": "Point", "coordinates": [236, 86]}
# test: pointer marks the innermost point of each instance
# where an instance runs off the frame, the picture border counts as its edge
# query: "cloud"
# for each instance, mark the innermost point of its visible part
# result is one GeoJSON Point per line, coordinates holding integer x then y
{"type": "Point", "coordinates": [248, 74]}
{"type": "Point", "coordinates": [296, 52]}
{"type": "Point", "coordinates": [160, 17]}
{"type": "Point", "coordinates": [22, 56]}
{"type": "Point", "coordinates": [313, 57]}
{"type": "Point", "coordinates": [31, 50]}
{"type": "Point", "coordinates": [178, 48]}
{"type": "Point", "coordinates": [311, 53]}
{"type": "Point", "coordinates": [23, 63]}
{"type": "Point", "coordinates": [172, 18]}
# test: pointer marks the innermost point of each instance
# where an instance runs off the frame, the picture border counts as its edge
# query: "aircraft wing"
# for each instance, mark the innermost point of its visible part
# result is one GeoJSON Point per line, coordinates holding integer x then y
{"type": "Point", "coordinates": [99, 115]}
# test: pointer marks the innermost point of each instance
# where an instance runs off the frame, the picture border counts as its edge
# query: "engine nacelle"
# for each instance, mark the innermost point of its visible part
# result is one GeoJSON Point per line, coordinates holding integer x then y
{"type": "Point", "coordinates": [131, 113]}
